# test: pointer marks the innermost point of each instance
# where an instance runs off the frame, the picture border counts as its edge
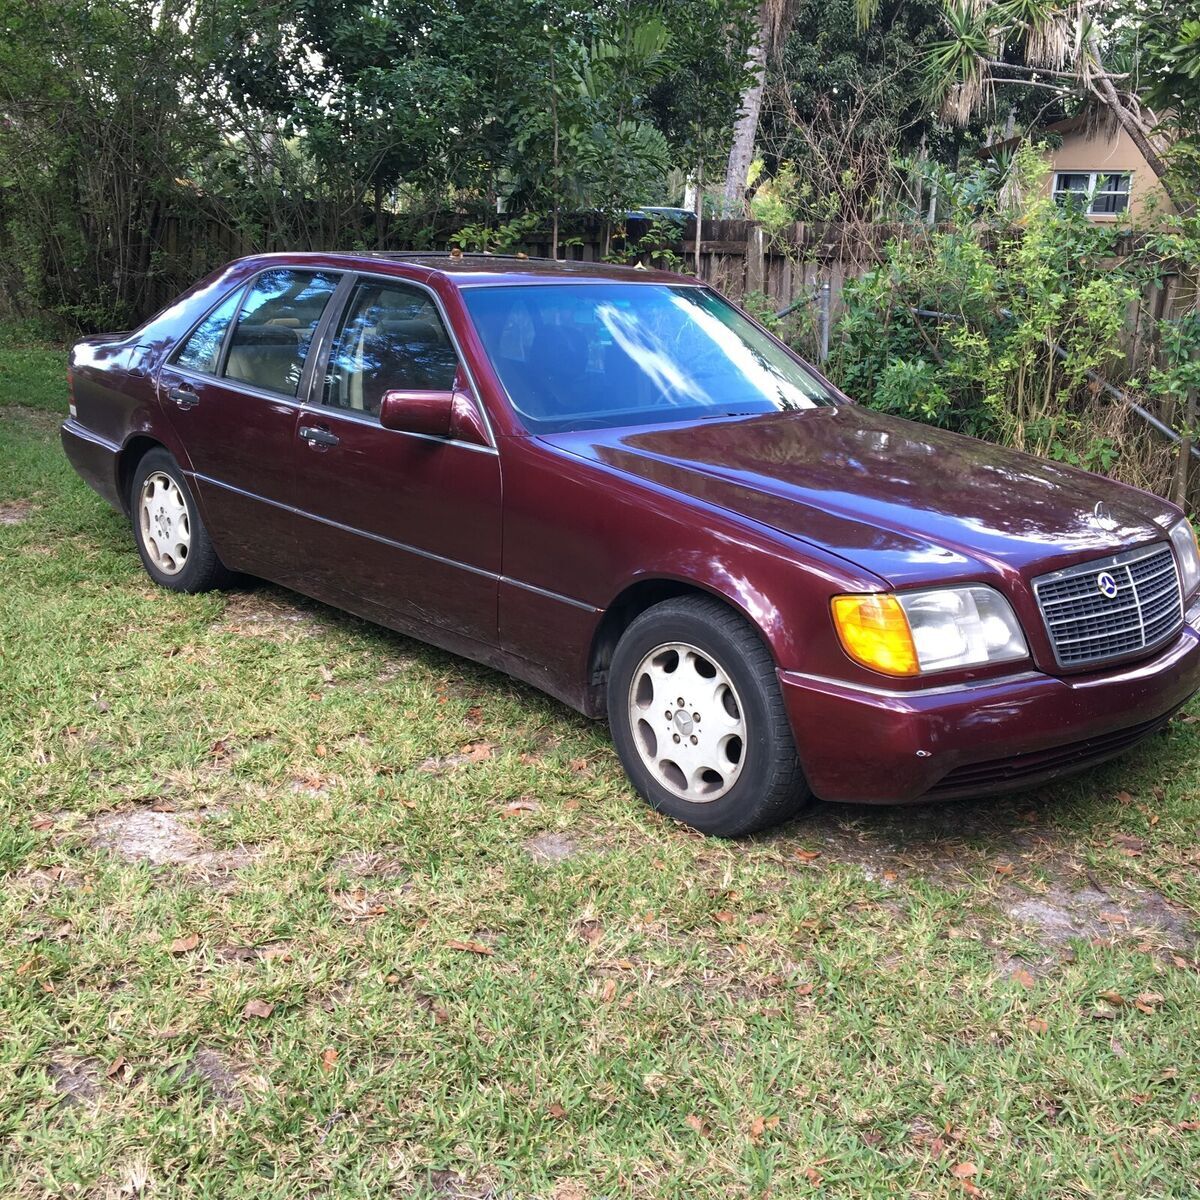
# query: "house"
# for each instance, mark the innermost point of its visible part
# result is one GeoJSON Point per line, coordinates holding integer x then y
{"type": "Point", "coordinates": [1099, 168]}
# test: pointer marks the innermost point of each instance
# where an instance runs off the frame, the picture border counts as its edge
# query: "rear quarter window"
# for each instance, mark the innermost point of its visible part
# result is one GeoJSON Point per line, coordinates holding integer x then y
{"type": "Point", "coordinates": [201, 349]}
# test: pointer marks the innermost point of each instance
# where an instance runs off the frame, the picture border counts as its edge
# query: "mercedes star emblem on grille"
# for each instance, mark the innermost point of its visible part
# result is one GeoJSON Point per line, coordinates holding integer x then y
{"type": "Point", "coordinates": [1106, 585]}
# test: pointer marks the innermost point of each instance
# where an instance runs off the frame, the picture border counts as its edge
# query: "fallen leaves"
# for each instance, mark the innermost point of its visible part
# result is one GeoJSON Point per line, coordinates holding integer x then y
{"type": "Point", "coordinates": [590, 931]}
{"type": "Point", "coordinates": [329, 1060]}
{"type": "Point", "coordinates": [358, 905]}
{"type": "Point", "coordinates": [516, 808]}
{"type": "Point", "coordinates": [470, 947]}
{"type": "Point", "coordinates": [608, 991]}
{"type": "Point", "coordinates": [1024, 978]}
{"type": "Point", "coordinates": [759, 1126]}
{"type": "Point", "coordinates": [701, 1126]}
{"type": "Point", "coordinates": [260, 1009]}
{"type": "Point", "coordinates": [181, 945]}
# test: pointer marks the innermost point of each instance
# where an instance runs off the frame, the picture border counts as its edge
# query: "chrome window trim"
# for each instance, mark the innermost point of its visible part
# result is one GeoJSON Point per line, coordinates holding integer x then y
{"type": "Point", "coordinates": [350, 414]}
{"type": "Point", "coordinates": [238, 386]}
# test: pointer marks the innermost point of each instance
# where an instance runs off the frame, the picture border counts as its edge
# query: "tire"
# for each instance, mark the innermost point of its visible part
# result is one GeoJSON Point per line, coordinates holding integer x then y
{"type": "Point", "coordinates": [740, 773]}
{"type": "Point", "coordinates": [171, 538]}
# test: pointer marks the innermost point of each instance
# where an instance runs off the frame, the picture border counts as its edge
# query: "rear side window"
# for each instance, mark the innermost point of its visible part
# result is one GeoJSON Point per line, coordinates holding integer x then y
{"type": "Point", "coordinates": [275, 328]}
{"type": "Point", "coordinates": [202, 349]}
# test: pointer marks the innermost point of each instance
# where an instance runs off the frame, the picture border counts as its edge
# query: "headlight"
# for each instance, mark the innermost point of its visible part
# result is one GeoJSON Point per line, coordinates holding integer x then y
{"type": "Point", "coordinates": [911, 633]}
{"type": "Point", "coordinates": [1183, 538]}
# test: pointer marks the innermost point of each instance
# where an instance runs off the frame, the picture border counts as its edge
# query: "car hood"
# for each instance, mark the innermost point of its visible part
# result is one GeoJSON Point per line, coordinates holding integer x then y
{"type": "Point", "coordinates": [908, 502]}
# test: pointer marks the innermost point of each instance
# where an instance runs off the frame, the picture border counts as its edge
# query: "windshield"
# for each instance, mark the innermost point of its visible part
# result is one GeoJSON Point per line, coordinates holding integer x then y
{"type": "Point", "coordinates": [598, 355]}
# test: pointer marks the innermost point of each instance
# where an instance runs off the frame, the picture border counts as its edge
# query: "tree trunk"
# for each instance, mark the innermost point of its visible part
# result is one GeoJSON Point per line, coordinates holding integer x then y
{"type": "Point", "coordinates": [1185, 205]}
{"type": "Point", "coordinates": [1181, 484]}
{"type": "Point", "coordinates": [745, 128]}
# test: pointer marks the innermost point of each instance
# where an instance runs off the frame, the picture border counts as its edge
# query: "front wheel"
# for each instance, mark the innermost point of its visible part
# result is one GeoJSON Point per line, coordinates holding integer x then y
{"type": "Point", "coordinates": [698, 719]}
{"type": "Point", "coordinates": [171, 538]}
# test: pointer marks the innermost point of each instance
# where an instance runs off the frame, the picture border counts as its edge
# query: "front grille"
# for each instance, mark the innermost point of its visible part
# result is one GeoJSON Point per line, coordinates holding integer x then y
{"type": "Point", "coordinates": [1111, 607]}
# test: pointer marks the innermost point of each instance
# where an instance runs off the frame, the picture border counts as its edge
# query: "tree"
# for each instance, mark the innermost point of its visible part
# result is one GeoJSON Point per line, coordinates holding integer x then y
{"type": "Point", "coordinates": [771, 28]}
{"type": "Point", "coordinates": [1054, 47]}
{"type": "Point", "coordinates": [97, 125]}
{"type": "Point", "coordinates": [1167, 55]}
{"type": "Point", "coordinates": [842, 104]}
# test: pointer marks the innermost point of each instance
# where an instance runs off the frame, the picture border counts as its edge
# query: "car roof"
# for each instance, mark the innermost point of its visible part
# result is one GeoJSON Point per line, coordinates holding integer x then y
{"type": "Point", "coordinates": [473, 269]}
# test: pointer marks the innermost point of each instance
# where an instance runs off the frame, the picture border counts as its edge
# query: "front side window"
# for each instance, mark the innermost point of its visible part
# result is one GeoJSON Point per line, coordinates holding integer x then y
{"type": "Point", "coordinates": [275, 328]}
{"type": "Point", "coordinates": [1098, 193]}
{"type": "Point", "coordinates": [201, 351]}
{"type": "Point", "coordinates": [391, 337]}
{"type": "Point", "coordinates": [598, 355]}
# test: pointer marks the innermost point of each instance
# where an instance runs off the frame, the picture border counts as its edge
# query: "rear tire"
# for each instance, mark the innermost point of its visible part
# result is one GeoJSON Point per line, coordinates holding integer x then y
{"type": "Point", "coordinates": [724, 760]}
{"type": "Point", "coordinates": [171, 538]}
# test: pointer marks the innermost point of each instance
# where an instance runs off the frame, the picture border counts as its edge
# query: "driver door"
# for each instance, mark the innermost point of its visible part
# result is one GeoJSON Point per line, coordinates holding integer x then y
{"type": "Point", "coordinates": [403, 524]}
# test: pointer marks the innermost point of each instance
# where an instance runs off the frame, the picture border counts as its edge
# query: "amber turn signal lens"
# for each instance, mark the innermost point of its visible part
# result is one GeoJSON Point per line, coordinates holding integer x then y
{"type": "Point", "coordinates": [874, 631]}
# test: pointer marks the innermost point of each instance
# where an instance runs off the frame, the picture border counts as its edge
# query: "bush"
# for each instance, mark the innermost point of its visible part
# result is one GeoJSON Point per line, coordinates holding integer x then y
{"type": "Point", "coordinates": [957, 325]}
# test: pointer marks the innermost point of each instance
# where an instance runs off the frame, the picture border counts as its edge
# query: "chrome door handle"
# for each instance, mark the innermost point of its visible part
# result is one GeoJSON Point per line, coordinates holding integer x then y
{"type": "Point", "coordinates": [316, 436]}
{"type": "Point", "coordinates": [184, 397]}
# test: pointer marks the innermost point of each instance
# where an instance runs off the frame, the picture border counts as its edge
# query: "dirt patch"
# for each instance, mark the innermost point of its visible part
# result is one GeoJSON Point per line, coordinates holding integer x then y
{"type": "Point", "coordinates": [77, 1080]}
{"type": "Point", "coordinates": [162, 838]}
{"type": "Point", "coordinates": [946, 844]}
{"type": "Point", "coordinates": [366, 864]}
{"type": "Point", "coordinates": [250, 954]}
{"type": "Point", "coordinates": [550, 848]}
{"type": "Point", "coordinates": [1061, 914]}
{"type": "Point", "coordinates": [392, 668]}
{"type": "Point", "coordinates": [310, 786]}
{"type": "Point", "coordinates": [221, 1079]}
{"type": "Point", "coordinates": [30, 417]}
{"type": "Point", "coordinates": [274, 617]}
{"type": "Point", "coordinates": [15, 512]}
{"type": "Point", "coordinates": [474, 752]}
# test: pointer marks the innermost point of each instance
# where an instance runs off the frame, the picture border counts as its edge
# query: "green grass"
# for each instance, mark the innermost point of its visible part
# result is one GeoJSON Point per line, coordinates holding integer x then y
{"type": "Point", "coordinates": [273, 787]}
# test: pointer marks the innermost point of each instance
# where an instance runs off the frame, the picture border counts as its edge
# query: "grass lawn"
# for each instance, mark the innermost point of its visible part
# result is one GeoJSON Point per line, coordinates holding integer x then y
{"type": "Point", "coordinates": [294, 907]}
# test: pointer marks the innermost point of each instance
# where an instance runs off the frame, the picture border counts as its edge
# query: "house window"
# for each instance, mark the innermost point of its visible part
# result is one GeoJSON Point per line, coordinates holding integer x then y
{"type": "Point", "coordinates": [1098, 193]}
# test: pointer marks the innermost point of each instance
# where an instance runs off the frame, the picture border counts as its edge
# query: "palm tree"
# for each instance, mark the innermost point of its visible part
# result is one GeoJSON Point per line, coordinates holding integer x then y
{"type": "Point", "coordinates": [1048, 45]}
{"type": "Point", "coordinates": [772, 23]}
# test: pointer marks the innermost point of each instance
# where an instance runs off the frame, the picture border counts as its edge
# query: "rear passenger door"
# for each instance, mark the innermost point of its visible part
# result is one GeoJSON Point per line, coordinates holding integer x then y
{"type": "Point", "coordinates": [231, 389]}
{"type": "Point", "coordinates": [402, 526]}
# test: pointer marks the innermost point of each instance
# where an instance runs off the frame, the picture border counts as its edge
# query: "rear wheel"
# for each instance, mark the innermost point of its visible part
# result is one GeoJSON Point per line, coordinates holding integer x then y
{"type": "Point", "coordinates": [171, 538]}
{"type": "Point", "coordinates": [698, 719]}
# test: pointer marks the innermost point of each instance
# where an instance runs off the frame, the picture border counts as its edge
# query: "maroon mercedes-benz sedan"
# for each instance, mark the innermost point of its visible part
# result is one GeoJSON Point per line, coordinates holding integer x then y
{"type": "Point", "coordinates": [613, 484]}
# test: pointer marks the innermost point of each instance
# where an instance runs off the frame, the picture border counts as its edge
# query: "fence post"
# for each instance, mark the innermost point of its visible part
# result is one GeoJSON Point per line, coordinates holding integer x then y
{"type": "Point", "coordinates": [1183, 465]}
{"type": "Point", "coordinates": [826, 299]}
{"type": "Point", "coordinates": [756, 261]}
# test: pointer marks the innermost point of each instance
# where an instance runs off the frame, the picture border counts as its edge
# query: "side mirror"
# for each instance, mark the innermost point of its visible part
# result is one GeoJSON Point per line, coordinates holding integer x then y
{"type": "Point", "coordinates": [429, 413]}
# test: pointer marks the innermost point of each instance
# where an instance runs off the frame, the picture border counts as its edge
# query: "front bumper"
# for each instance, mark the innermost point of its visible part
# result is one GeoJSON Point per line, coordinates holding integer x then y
{"type": "Point", "coordinates": [874, 746]}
